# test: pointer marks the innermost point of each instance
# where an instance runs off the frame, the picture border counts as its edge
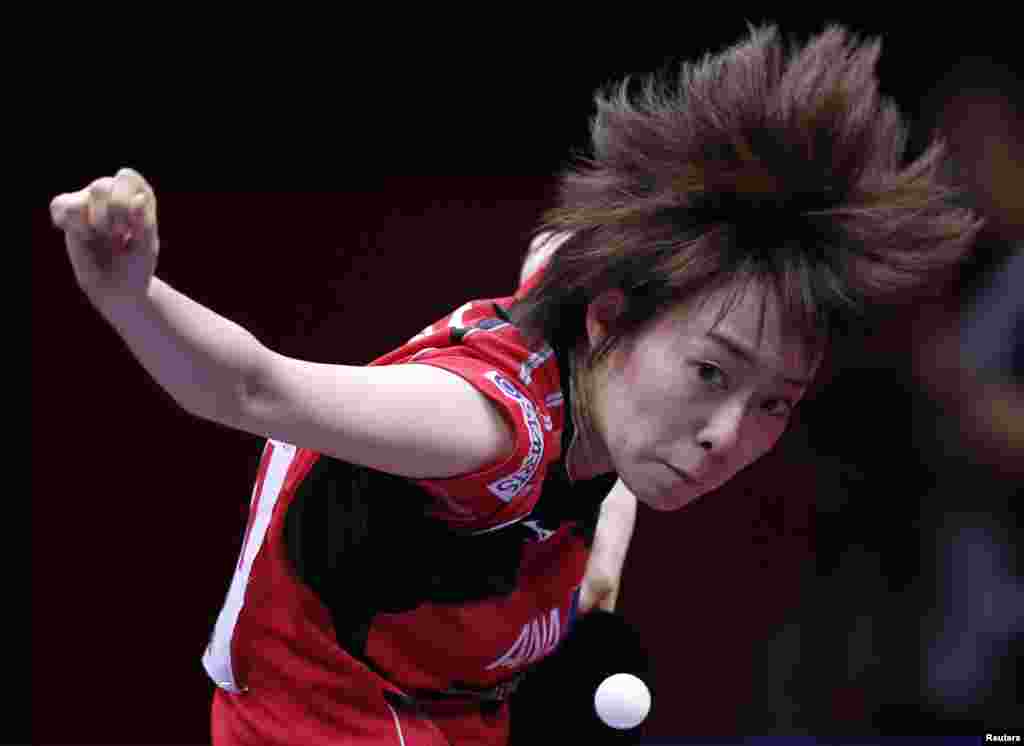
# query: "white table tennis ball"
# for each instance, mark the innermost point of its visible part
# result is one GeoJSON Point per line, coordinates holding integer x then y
{"type": "Point", "coordinates": [622, 701]}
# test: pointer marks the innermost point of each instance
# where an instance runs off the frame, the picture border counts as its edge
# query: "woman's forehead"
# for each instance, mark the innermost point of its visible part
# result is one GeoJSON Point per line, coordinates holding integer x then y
{"type": "Point", "coordinates": [751, 316]}
{"type": "Point", "coordinates": [744, 309]}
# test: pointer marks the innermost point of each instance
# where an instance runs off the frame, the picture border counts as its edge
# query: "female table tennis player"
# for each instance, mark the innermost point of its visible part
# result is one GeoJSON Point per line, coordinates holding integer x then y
{"type": "Point", "coordinates": [420, 526]}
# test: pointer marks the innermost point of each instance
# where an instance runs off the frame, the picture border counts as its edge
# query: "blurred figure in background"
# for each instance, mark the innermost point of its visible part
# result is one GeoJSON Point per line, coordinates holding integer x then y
{"type": "Point", "coordinates": [974, 367]}
{"type": "Point", "coordinates": [912, 618]}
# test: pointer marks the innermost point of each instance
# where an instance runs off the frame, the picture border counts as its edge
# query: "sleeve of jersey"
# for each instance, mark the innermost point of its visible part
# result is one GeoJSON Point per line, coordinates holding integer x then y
{"type": "Point", "coordinates": [505, 490]}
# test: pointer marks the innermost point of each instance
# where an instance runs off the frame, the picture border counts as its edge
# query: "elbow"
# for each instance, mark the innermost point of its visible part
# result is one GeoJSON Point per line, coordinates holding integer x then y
{"type": "Point", "coordinates": [239, 401]}
{"type": "Point", "coordinates": [224, 401]}
{"type": "Point", "coordinates": [225, 406]}
{"type": "Point", "coordinates": [252, 402]}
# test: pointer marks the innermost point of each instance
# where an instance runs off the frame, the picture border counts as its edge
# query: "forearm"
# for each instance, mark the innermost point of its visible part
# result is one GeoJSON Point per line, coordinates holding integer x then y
{"type": "Point", "coordinates": [611, 543]}
{"type": "Point", "coordinates": [201, 359]}
{"type": "Point", "coordinates": [615, 527]}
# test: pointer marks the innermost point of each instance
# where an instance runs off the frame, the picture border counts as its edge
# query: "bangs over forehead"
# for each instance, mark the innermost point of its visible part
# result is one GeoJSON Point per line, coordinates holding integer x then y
{"type": "Point", "coordinates": [797, 323]}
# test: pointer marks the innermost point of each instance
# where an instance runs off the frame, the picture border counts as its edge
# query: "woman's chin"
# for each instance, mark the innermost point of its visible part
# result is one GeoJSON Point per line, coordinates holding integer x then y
{"type": "Point", "coordinates": [667, 499]}
{"type": "Point", "coordinates": [668, 502]}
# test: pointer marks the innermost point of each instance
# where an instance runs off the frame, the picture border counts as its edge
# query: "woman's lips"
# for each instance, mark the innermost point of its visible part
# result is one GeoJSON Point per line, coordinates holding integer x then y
{"type": "Point", "coordinates": [685, 476]}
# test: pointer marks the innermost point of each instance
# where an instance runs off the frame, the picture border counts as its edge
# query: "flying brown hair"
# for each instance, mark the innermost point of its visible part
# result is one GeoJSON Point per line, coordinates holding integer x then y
{"type": "Point", "coordinates": [760, 165]}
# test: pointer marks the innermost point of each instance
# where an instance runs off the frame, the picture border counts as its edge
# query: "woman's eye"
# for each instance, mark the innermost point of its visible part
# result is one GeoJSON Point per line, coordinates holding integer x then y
{"type": "Point", "coordinates": [712, 375]}
{"type": "Point", "coordinates": [778, 407]}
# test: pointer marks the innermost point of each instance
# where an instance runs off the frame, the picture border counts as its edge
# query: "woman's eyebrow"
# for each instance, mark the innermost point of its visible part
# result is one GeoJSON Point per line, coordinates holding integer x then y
{"type": "Point", "coordinates": [746, 354]}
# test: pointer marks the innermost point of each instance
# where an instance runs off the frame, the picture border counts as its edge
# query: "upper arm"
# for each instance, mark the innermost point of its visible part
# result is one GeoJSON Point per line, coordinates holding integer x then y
{"type": "Point", "coordinates": [412, 420]}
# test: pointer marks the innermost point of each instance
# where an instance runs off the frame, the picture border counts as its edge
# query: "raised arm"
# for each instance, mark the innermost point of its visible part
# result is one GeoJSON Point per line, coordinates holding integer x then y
{"type": "Point", "coordinates": [412, 420]}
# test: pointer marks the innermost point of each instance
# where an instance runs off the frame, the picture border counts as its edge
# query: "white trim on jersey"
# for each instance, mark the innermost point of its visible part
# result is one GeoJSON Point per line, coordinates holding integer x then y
{"type": "Point", "coordinates": [398, 725]}
{"type": "Point", "coordinates": [498, 527]}
{"type": "Point", "coordinates": [217, 658]}
{"type": "Point", "coordinates": [512, 485]}
{"type": "Point", "coordinates": [456, 319]}
{"type": "Point", "coordinates": [534, 361]}
{"type": "Point", "coordinates": [424, 351]}
{"type": "Point", "coordinates": [554, 400]}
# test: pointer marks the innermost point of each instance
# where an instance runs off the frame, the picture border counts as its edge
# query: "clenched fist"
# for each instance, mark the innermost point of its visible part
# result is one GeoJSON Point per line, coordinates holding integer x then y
{"type": "Point", "coordinates": [111, 235]}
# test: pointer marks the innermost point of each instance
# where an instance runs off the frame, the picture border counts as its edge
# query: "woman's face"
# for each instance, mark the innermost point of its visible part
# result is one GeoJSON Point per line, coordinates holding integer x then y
{"type": "Point", "coordinates": [688, 404]}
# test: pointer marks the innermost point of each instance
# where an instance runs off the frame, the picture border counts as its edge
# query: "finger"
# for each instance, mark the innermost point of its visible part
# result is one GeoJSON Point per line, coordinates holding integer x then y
{"type": "Point", "coordinates": [124, 187]}
{"type": "Point", "coordinates": [136, 181]}
{"type": "Point", "coordinates": [69, 211]}
{"type": "Point", "coordinates": [99, 201]}
{"type": "Point", "coordinates": [586, 599]}
{"type": "Point", "coordinates": [134, 225]}
{"type": "Point", "coordinates": [607, 603]}
{"type": "Point", "coordinates": [143, 215]}
{"type": "Point", "coordinates": [60, 205]}
{"type": "Point", "coordinates": [137, 209]}
{"type": "Point", "coordinates": [123, 208]}
{"type": "Point", "coordinates": [132, 179]}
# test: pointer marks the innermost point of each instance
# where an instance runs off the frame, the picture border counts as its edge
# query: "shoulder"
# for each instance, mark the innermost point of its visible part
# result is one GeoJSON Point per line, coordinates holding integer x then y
{"type": "Point", "coordinates": [522, 384]}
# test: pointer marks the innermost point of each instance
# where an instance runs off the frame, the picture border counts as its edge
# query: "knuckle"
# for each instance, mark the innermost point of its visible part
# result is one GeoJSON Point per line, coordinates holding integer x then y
{"type": "Point", "coordinates": [132, 179]}
{"type": "Point", "coordinates": [101, 185]}
{"type": "Point", "coordinates": [58, 206]}
{"type": "Point", "coordinates": [120, 201]}
{"type": "Point", "coordinates": [601, 583]}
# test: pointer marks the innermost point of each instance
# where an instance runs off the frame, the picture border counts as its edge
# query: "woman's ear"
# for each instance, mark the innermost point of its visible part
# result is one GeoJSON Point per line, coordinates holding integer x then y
{"type": "Point", "coordinates": [602, 313]}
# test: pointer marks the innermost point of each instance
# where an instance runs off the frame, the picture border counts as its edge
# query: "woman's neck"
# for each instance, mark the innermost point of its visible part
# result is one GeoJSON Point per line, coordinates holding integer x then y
{"type": "Point", "coordinates": [588, 456]}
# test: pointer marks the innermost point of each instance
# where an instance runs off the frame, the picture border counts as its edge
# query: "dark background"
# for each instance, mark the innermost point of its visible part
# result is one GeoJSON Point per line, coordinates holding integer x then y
{"type": "Point", "coordinates": [334, 196]}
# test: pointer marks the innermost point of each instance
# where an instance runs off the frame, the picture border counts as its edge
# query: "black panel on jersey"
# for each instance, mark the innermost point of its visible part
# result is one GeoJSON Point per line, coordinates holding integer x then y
{"type": "Point", "coordinates": [360, 539]}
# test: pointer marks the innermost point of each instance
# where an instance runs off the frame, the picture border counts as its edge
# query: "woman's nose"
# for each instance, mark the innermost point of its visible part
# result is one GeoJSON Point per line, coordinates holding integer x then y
{"type": "Point", "coordinates": [721, 431]}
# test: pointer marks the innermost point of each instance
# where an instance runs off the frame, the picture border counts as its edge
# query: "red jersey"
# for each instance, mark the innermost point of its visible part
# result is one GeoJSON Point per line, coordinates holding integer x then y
{"type": "Point", "coordinates": [367, 607]}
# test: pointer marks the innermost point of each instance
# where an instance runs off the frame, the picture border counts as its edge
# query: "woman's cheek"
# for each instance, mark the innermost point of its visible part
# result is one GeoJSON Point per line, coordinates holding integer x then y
{"type": "Point", "coordinates": [766, 439]}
